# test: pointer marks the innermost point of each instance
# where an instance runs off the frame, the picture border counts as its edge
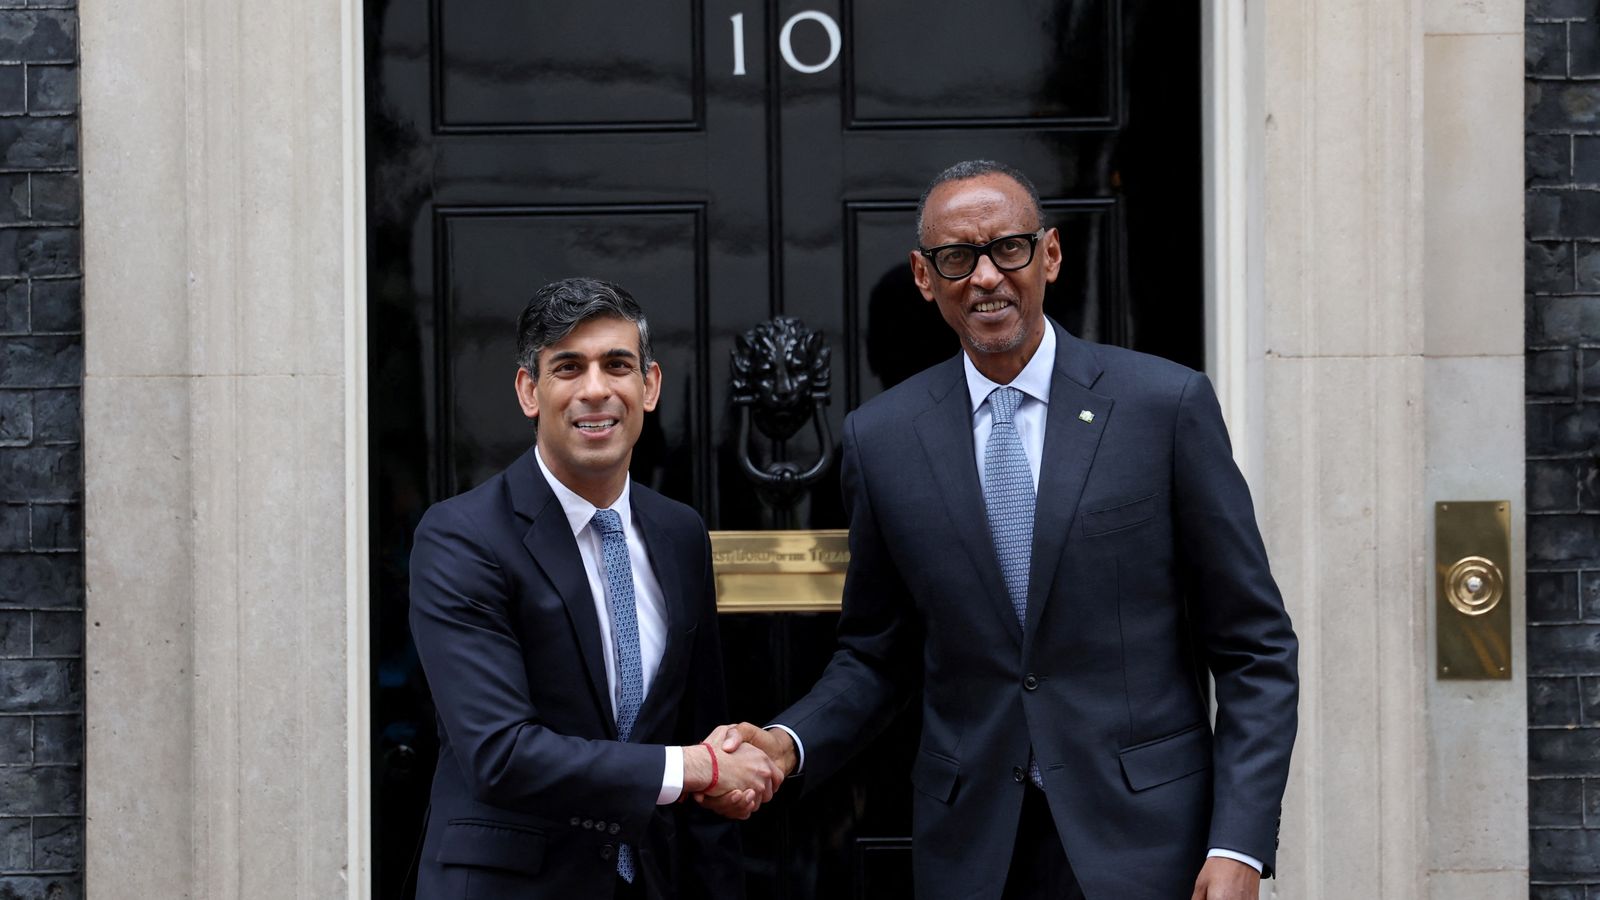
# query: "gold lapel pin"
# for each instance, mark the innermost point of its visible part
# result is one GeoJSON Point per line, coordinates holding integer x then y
{"type": "Point", "coordinates": [1086, 416]}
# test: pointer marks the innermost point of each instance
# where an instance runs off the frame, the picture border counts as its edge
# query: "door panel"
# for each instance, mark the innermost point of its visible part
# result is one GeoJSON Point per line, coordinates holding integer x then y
{"type": "Point", "coordinates": [486, 254]}
{"type": "Point", "coordinates": [532, 67]}
{"type": "Point", "coordinates": [510, 144]}
{"type": "Point", "coordinates": [1027, 64]}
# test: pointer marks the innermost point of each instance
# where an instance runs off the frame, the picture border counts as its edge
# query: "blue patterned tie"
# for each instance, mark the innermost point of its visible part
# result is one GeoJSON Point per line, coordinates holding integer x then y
{"type": "Point", "coordinates": [1008, 499]}
{"type": "Point", "coordinates": [624, 638]}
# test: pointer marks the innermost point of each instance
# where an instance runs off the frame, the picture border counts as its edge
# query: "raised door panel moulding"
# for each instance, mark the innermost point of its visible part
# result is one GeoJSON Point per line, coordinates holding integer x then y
{"type": "Point", "coordinates": [504, 68]}
{"type": "Point", "coordinates": [490, 260]}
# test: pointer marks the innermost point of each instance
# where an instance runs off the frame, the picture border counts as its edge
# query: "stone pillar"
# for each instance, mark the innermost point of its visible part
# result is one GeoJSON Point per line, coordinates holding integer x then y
{"type": "Point", "coordinates": [1473, 381]}
{"type": "Point", "coordinates": [1341, 499]}
{"type": "Point", "coordinates": [1472, 367]}
{"type": "Point", "coordinates": [1392, 378]}
{"type": "Point", "coordinates": [224, 400]}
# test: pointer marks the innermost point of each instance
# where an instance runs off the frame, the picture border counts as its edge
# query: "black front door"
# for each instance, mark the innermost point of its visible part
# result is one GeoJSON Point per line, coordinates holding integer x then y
{"type": "Point", "coordinates": [728, 161]}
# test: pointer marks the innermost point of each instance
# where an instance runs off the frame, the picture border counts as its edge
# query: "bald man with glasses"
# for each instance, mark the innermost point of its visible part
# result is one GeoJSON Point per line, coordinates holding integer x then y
{"type": "Point", "coordinates": [1051, 538]}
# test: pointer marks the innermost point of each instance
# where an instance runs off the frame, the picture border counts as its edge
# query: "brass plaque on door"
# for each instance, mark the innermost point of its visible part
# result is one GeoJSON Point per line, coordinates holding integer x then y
{"type": "Point", "coordinates": [1472, 568]}
{"type": "Point", "coordinates": [780, 571]}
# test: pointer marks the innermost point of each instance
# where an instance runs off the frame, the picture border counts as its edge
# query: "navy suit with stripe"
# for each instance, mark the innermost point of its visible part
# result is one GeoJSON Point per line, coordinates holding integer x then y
{"type": "Point", "coordinates": [534, 792]}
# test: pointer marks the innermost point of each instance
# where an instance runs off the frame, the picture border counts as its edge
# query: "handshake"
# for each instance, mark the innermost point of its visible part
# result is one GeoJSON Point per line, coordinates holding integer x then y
{"type": "Point", "coordinates": [738, 768]}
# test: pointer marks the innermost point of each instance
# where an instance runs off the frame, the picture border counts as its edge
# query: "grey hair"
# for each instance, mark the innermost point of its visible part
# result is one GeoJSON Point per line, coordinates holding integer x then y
{"type": "Point", "coordinates": [561, 306]}
{"type": "Point", "coordinates": [977, 168]}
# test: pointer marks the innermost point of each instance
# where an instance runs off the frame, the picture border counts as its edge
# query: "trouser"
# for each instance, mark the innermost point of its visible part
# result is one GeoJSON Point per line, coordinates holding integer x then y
{"type": "Point", "coordinates": [1039, 867]}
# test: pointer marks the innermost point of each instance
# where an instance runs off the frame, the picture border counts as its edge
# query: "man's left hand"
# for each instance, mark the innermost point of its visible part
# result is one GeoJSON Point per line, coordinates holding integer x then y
{"type": "Point", "coordinates": [1226, 879]}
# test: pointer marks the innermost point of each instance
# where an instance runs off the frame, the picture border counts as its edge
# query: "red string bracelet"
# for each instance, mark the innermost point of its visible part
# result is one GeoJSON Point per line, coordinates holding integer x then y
{"type": "Point", "coordinates": [714, 773]}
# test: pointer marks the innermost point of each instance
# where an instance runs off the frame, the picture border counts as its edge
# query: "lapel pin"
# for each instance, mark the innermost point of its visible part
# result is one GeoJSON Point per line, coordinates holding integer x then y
{"type": "Point", "coordinates": [1086, 416]}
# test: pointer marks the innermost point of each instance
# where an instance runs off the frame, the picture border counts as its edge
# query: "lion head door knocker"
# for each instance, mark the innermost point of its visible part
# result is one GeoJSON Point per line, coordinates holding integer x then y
{"type": "Point", "coordinates": [780, 379]}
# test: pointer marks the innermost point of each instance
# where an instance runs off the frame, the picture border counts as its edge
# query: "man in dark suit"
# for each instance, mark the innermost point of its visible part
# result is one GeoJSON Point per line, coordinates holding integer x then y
{"type": "Point", "coordinates": [1053, 535]}
{"type": "Point", "coordinates": [566, 619]}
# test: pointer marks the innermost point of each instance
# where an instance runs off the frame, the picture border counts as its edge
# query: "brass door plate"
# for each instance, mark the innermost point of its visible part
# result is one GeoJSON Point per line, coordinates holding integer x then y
{"type": "Point", "coordinates": [780, 571]}
{"type": "Point", "coordinates": [1472, 565]}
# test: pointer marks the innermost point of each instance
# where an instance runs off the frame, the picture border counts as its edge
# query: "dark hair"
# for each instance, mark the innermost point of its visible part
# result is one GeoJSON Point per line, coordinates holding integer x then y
{"type": "Point", "coordinates": [977, 168]}
{"type": "Point", "coordinates": [560, 306]}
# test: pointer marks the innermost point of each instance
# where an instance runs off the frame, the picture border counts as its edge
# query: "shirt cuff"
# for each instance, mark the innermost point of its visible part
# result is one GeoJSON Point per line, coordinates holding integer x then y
{"type": "Point", "coordinates": [799, 748]}
{"type": "Point", "coordinates": [1248, 860]}
{"type": "Point", "coordinates": [671, 778]}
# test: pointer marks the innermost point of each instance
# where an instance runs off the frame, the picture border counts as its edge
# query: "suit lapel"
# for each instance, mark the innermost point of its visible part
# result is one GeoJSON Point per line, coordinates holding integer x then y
{"type": "Point", "coordinates": [549, 540]}
{"type": "Point", "coordinates": [1070, 442]}
{"type": "Point", "coordinates": [946, 433]}
{"type": "Point", "coordinates": [675, 596]}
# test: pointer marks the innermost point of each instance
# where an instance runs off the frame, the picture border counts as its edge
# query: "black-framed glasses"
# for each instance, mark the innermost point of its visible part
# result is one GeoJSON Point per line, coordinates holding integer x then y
{"type": "Point", "coordinates": [1008, 253]}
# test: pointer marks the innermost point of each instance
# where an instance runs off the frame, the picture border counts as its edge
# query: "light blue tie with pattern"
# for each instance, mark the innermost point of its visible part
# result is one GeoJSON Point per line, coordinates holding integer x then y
{"type": "Point", "coordinates": [624, 638]}
{"type": "Point", "coordinates": [1008, 498]}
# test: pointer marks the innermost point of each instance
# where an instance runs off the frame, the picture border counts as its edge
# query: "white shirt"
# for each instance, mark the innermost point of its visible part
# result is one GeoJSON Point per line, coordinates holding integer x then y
{"type": "Point", "coordinates": [1034, 383]}
{"type": "Point", "coordinates": [650, 606]}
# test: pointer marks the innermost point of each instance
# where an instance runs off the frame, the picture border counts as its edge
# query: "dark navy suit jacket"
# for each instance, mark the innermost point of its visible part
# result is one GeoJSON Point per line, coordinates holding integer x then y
{"type": "Point", "coordinates": [1147, 571]}
{"type": "Point", "coordinates": [533, 791]}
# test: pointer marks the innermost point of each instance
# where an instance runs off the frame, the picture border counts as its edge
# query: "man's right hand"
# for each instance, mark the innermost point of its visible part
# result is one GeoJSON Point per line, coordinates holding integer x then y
{"type": "Point", "coordinates": [742, 738]}
{"type": "Point", "coordinates": [745, 778]}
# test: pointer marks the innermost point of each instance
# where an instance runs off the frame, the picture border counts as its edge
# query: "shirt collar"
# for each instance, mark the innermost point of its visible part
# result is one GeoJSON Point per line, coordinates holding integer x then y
{"type": "Point", "coordinates": [1033, 380]}
{"type": "Point", "coordinates": [579, 511]}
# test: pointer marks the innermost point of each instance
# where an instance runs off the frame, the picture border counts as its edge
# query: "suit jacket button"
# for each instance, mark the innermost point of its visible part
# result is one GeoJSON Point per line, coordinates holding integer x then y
{"type": "Point", "coordinates": [1031, 683]}
{"type": "Point", "coordinates": [576, 821]}
{"type": "Point", "coordinates": [599, 825]}
{"type": "Point", "coordinates": [1017, 774]}
{"type": "Point", "coordinates": [588, 823]}
{"type": "Point", "coordinates": [614, 828]}
{"type": "Point", "coordinates": [607, 852]}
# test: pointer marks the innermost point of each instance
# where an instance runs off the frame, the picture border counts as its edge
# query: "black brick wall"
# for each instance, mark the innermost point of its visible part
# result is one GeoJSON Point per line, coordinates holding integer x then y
{"type": "Point", "coordinates": [41, 455]}
{"type": "Point", "coordinates": [1563, 408]}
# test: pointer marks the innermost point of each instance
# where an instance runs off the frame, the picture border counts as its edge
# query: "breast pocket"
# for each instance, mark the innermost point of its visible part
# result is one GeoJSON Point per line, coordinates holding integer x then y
{"type": "Point", "coordinates": [1121, 516]}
